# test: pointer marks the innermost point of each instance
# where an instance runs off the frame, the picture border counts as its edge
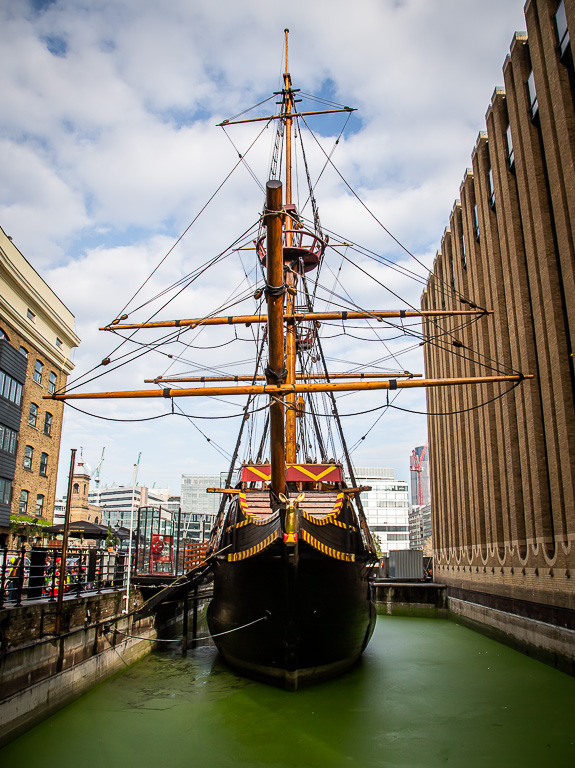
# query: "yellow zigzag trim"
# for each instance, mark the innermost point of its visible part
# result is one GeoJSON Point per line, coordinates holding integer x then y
{"type": "Point", "coordinates": [327, 550]}
{"type": "Point", "coordinates": [314, 476]}
{"type": "Point", "coordinates": [254, 550]}
{"type": "Point", "coordinates": [256, 471]}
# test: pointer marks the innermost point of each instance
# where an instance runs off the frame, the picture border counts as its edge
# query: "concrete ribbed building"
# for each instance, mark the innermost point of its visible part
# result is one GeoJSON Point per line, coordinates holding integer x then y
{"type": "Point", "coordinates": [503, 468]}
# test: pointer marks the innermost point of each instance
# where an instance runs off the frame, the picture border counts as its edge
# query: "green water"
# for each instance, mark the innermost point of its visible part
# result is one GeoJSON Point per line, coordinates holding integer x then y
{"type": "Point", "coordinates": [427, 693]}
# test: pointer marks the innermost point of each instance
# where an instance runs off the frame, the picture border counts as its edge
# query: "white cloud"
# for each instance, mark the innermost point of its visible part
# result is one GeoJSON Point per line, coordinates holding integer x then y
{"type": "Point", "coordinates": [109, 149]}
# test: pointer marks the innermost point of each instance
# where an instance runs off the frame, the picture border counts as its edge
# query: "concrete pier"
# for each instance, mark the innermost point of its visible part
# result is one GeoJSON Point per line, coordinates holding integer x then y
{"type": "Point", "coordinates": [419, 599]}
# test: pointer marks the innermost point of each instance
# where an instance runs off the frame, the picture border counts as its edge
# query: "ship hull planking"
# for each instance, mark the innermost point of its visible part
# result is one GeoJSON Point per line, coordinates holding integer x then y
{"type": "Point", "coordinates": [311, 620]}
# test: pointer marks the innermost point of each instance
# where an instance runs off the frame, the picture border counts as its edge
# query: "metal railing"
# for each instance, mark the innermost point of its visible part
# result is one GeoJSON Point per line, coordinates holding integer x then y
{"type": "Point", "coordinates": [34, 574]}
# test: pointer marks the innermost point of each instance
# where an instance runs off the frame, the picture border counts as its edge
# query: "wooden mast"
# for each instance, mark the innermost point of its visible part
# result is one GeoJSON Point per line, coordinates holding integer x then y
{"type": "Point", "coordinates": [287, 97]}
{"type": "Point", "coordinates": [290, 278]}
{"type": "Point", "coordinates": [275, 371]}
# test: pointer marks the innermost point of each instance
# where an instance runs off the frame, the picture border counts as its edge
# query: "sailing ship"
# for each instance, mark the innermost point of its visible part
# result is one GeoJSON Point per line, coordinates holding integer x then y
{"type": "Point", "coordinates": [291, 550]}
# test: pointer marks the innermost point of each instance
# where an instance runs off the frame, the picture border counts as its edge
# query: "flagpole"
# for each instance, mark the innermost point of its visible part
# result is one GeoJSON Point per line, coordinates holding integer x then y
{"type": "Point", "coordinates": [127, 608]}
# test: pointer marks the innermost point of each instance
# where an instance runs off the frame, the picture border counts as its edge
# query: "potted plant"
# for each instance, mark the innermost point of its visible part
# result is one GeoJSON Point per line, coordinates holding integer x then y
{"type": "Point", "coordinates": [112, 539]}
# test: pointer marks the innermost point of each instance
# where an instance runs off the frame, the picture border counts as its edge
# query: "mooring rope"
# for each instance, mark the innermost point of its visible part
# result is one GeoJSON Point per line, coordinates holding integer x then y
{"type": "Point", "coordinates": [179, 640]}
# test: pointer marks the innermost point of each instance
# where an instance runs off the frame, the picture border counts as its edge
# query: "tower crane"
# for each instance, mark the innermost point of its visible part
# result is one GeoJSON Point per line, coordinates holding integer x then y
{"type": "Point", "coordinates": [416, 466]}
{"type": "Point", "coordinates": [95, 475]}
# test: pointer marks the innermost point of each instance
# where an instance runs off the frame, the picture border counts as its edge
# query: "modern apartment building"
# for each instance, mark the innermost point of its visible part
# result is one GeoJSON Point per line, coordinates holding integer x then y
{"type": "Point", "coordinates": [386, 506]}
{"type": "Point", "coordinates": [36, 340]}
{"type": "Point", "coordinates": [503, 461]}
{"type": "Point", "coordinates": [420, 526]}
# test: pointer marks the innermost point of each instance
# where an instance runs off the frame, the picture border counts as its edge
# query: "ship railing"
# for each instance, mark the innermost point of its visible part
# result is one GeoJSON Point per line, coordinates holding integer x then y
{"type": "Point", "coordinates": [31, 575]}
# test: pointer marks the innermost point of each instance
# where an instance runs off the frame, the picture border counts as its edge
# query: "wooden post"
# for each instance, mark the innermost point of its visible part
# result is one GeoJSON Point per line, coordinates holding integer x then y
{"type": "Point", "coordinates": [275, 301]}
{"type": "Point", "coordinates": [185, 626]}
{"type": "Point", "coordinates": [62, 577]}
{"type": "Point", "coordinates": [195, 620]}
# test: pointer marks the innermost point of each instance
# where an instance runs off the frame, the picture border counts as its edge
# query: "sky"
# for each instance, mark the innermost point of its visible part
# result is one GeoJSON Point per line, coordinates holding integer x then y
{"type": "Point", "coordinates": [109, 150]}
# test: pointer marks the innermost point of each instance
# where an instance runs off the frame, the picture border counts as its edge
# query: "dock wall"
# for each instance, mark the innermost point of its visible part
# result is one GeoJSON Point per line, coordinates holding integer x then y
{"type": "Point", "coordinates": [41, 672]}
{"type": "Point", "coordinates": [410, 599]}
{"type": "Point", "coordinates": [551, 643]}
{"type": "Point", "coordinates": [541, 632]}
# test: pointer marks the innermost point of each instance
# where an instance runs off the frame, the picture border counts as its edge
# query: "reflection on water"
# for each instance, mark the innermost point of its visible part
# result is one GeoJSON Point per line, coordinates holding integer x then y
{"type": "Point", "coordinates": [427, 693]}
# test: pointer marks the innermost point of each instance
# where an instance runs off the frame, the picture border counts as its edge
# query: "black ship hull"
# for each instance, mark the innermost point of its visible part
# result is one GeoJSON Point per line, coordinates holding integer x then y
{"type": "Point", "coordinates": [291, 625]}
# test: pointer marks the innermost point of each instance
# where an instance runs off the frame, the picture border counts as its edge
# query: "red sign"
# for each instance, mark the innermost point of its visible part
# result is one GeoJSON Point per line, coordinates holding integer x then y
{"type": "Point", "coordinates": [161, 548]}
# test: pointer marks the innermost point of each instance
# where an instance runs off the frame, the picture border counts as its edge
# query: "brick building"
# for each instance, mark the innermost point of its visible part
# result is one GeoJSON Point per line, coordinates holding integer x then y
{"type": "Point", "coordinates": [80, 506]}
{"type": "Point", "coordinates": [36, 339]}
{"type": "Point", "coordinates": [503, 470]}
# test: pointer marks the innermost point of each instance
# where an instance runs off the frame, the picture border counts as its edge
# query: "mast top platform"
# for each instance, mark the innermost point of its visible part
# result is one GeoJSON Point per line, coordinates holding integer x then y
{"type": "Point", "coordinates": [299, 246]}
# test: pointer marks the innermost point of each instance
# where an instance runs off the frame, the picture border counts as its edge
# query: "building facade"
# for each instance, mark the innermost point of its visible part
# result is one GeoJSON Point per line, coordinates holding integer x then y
{"type": "Point", "coordinates": [386, 506]}
{"type": "Point", "coordinates": [503, 466]}
{"type": "Point", "coordinates": [36, 325]}
{"type": "Point", "coordinates": [199, 508]}
{"type": "Point", "coordinates": [420, 527]}
{"type": "Point", "coordinates": [116, 503]}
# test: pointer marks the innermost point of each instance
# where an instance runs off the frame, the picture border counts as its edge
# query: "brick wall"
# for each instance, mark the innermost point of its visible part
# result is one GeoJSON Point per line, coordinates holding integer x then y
{"type": "Point", "coordinates": [32, 480]}
{"type": "Point", "coordinates": [503, 466]}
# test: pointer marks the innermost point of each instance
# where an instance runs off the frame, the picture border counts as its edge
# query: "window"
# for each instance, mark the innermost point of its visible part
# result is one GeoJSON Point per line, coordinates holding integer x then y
{"type": "Point", "coordinates": [532, 96]}
{"type": "Point", "coordinates": [48, 424]}
{"type": "Point", "coordinates": [33, 415]}
{"type": "Point", "coordinates": [44, 464]}
{"type": "Point", "coordinates": [52, 382]}
{"type": "Point", "coordinates": [452, 268]}
{"type": "Point", "coordinates": [28, 456]}
{"type": "Point", "coordinates": [510, 153]}
{"type": "Point", "coordinates": [5, 490]}
{"type": "Point", "coordinates": [75, 488]}
{"type": "Point", "coordinates": [463, 253]}
{"type": "Point", "coordinates": [475, 223]}
{"type": "Point", "coordinates": [24, 351]}
{"type": "Point", "coordinates": [10, 388]}
{"type": "Point", "coordinates": [30, 315]}
{"type": "Point", "coordinates": [491, 189]}
{"type": "Point", "coordinates": [59, 343]}
{"type": "Point", "coordinates": [7, 439]}
{"type": "Point", "coordinates": [23, 506]}
{"type": "Point", "coordinates": [38, 372]}
{"type": "Point", "coordinates": [394, 528]}
{"type": "Point", "coordinates": [3, 335]}
{"type": "Point", "coordinates": [562, 29]}
{"type": "Point", "coordinates": [39, 505]}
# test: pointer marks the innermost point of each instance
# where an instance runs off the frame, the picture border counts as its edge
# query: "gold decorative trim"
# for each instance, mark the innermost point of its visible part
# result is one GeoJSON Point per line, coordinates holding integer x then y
{"type": "Point", "coordinates": [335, 553]}
{"type": "Point", "coordinates": [254, 550]}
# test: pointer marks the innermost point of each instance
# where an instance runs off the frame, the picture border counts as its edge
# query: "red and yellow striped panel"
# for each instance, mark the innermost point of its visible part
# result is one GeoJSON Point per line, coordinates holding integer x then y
{"type": "Point", "coordinates": [329, 473]}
